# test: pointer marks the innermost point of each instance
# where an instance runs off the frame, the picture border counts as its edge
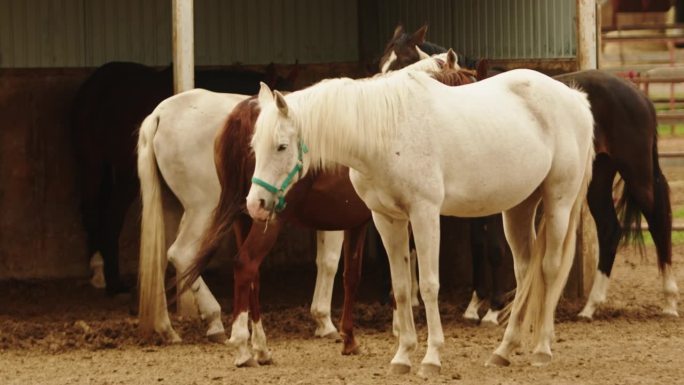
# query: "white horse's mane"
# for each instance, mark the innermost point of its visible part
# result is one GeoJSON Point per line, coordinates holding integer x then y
{"type": "Point", "coordinates": [363, 114]}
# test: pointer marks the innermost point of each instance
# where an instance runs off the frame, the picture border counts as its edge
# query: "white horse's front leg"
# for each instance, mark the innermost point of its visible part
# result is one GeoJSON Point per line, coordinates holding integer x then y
{"type": "Point", "coordinates": [425, 224]}
{"type": "Point", "coordinates": [394, 234]}
{"type": "Point", "coordinates": [328, 248]}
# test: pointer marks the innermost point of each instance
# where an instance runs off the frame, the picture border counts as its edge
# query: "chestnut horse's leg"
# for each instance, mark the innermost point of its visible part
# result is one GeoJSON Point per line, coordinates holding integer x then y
{"type": "Point", "coordinates": [354, 240]}
{"type": "Point", "coordinates": [258, 243]}
{"type": "Point", "coordinates": [328, 246]}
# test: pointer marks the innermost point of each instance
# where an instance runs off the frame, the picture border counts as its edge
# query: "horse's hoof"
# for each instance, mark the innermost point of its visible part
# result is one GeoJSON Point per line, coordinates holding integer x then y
{"type": "Point", "coordinates": [497, 361]}
{"type": "Point", "coordinates": [489, 323]}
{"type": "Point", "coordinates": [333, 335]}
{"type": "Point", "coordinates": [250, 363]}
{"type": "Point", "coordinates": [429, 370]}
{"type": "Point", "coordinates": [670, 313]}
{"type": "Point", "coordinates": [400, 369]}
{"type": "Point", "coordinates": [265, 359]}
{"type": "Point", "coordinates": [218, 338]}
{"type": "Point", "coordinates": [584, 317]}
{"type": "Point", "coordinates": [540, 359]}
{"type": "Point", "coordinates": [351, 350]}
{"type": "Point", "coordinates": [471, 319]}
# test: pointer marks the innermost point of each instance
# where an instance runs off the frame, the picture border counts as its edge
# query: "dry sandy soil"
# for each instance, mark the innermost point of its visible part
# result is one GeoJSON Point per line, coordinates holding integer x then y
{"type": "Point", "coordinates": [63, 332]}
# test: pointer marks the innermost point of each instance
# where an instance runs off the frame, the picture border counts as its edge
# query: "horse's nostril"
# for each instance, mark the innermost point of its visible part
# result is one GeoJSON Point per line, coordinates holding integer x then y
{"type": "Point", "coordinates": [262, 203]}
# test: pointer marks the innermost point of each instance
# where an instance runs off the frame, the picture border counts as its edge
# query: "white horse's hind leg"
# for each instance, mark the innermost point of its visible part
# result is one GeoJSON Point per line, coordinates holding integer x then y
{"type": "Point", "coordinates": [520, 233]}
{"type": "Point", "coordinates": [425, 224]}
{"type": "Point", "coordinates": [394, 234]}
{"type": "Point", "coordinates": [557, 216]}
{"type": "Point", "coordinates": [328, 248]}
{"type": "Point", "coordinates": [671, 292]}
{"type": "Point", "coordinates": [180, 254]}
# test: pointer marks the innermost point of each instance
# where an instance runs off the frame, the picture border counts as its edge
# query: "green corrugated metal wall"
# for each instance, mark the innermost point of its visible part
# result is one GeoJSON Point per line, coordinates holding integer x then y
{"type": "Point", "coordinates": [76, 33]}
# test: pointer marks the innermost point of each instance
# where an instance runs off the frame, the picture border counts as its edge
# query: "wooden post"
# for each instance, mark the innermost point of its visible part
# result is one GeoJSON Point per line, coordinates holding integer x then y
{"type": "Point", "coordinates": [586, 34]}
{"type": "Point", "coordinates": [586, 255]}
{"type": "Point", "coordinates": [183, 80]}
{"type": "Point", "coordinates": [183, 45]}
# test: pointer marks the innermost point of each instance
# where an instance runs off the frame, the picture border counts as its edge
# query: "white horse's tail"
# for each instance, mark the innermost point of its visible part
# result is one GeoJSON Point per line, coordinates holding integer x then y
{"type": "Point", "coordinates": [532, 290]}
{"type": "Point", "coordinates": [152, 305]}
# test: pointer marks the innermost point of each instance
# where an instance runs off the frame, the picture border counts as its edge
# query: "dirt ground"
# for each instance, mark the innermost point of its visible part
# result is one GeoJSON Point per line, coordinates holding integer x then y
{"type": "Point", "coordinates": [64, 332]}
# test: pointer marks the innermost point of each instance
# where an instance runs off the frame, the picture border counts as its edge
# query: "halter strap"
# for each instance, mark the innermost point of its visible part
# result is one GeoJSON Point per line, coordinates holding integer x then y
{"type": "Point", "coordinates": [280, 192]}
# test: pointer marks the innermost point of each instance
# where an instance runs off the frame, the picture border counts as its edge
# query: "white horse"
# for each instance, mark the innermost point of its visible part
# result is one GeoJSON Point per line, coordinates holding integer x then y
{"type": "Point", "coordinates": [177, 139]}
{"type": "Point", "coordinates": [417, 148]}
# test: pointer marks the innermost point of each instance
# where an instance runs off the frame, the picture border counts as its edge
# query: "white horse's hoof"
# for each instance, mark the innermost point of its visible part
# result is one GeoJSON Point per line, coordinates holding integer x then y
{"type": "Point", "coordinates": [474, 319]}
{"type": "Point", "coordinates": [218, 338]}
{"type": "Point", "coordinates": [400, 369]}
{"type": "Point", "coordinates": [488, 323]}
{"type": "Point", "coordinates": [585, 317]}
{"type": "Point", "coordinates": [264, 358]}
{"type": "Point", "coordinates": [333, 335]}
{"type": "Point", "coordinates": [250, 363]}
{"type": "Point", "coordinates": [671, 313]}
{"type": "Point", "coordinates": [497, 361]}
{"type": "Point", "coordinates": [540, 359]}
{"type": "Point", "coordinates": [429, 370]}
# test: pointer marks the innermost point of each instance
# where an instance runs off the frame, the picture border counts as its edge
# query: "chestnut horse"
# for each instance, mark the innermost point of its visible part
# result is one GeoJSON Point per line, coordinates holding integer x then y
{"type": "Point", "coordinates": [324, 201]}
{"type": "Point", "coordinates": [106, 113]}
{"type": "Point", "coordinates": [626, 143]}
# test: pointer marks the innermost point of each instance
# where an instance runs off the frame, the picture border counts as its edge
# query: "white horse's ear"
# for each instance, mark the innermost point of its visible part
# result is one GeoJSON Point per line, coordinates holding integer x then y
{"type": "Point", "coordinates": [451, 59]}
{"type": "Point", "coordinates": [265, 94]}
{"type": "Point", "coordinates": [422, 55]}
{"type": "Point", "coordinates": [281, 103]}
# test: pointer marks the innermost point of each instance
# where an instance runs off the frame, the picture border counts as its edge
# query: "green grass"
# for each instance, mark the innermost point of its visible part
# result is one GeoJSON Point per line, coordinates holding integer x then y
{"type": "Point", "coordinates": [677, 238]}
{"type": "Point", "coordinates": [678, 212]}
{"type": "Point", "coordinates": [666, 130]}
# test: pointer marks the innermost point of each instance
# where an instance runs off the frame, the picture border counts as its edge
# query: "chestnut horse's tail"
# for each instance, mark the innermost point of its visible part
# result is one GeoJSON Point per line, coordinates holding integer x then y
{"type": "Point", "coordinates": [152, 305]}
{"type": "Point", "coordinates": [234, 167]}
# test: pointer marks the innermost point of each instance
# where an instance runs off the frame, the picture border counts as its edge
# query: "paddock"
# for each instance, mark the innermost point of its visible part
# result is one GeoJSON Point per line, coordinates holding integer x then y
{"type": "Point", "coordinates": [56, 329]}
{"type": "Point", "coordinates": [65, 332]}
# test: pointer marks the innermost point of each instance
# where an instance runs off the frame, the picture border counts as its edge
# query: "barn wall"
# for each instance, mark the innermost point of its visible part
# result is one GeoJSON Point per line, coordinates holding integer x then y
{"type": "Point", "coordinates": [89, 33]}
{"type": "Point", "coordinates": [495, 29]}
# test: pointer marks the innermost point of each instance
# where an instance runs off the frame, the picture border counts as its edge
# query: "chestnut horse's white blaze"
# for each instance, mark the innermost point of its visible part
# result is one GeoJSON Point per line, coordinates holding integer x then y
{"type": "Point", "coordinates": [177, 139]}
{"type": "Point", "coordinates": [418, 149]}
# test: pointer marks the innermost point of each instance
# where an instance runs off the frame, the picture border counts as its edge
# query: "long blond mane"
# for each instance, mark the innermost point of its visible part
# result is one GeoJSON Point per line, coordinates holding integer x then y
{"type": "Point", "coordinates": [339, 118]}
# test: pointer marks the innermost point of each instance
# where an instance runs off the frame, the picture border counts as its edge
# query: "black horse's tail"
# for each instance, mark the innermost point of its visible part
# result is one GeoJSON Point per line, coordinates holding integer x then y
{"type": "Point", "coordinates": [660, 223]}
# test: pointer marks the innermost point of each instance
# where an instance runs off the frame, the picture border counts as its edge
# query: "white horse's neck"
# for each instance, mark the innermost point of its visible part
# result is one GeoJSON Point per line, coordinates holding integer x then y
{"type": "Point", "coordinates": [349, 122]}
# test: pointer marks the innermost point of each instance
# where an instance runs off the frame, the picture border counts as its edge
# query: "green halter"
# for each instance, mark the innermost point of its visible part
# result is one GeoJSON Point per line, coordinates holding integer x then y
{"type": "Point", "coordinates": [280, 192]}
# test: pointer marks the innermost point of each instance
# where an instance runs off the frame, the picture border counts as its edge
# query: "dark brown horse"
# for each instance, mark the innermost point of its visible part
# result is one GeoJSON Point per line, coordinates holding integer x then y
{"type": "Point", "coordinates": [626, 143]}
{"type": "Point", "coordinates": [107, 111]}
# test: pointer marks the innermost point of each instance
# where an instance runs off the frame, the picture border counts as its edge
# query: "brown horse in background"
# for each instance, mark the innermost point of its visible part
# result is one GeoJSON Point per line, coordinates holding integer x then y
{"type": "Point", "coordinates": [626, 143]}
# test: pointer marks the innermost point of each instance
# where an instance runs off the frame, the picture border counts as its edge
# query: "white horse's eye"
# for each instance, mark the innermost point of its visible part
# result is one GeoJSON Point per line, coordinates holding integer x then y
{"type": "Point", "coordinates": [282, 147]}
